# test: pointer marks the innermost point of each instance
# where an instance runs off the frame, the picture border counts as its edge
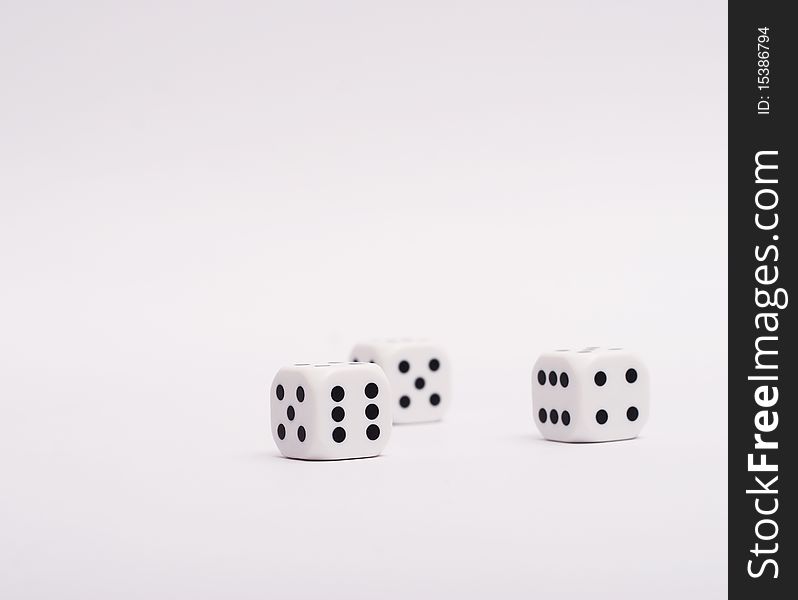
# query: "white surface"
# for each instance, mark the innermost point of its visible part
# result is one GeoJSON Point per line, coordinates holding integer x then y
{"type": "Point", "coordinates": [192, 196]}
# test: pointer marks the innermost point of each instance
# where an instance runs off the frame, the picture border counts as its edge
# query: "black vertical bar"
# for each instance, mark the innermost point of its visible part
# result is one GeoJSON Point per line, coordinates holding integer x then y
{"type": "Point", "coordinates": [762, 99]}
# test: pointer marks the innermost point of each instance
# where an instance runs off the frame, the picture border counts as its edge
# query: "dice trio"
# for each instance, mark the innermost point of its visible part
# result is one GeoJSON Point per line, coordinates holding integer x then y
{"type": "Point", "coordinates": [341, 410]}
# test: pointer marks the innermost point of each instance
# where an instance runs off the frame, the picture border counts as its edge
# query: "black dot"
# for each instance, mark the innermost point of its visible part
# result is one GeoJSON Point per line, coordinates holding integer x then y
{"type": "Point", "coordinates": [420, 383]}
{"type": "Point", "coordinates": [553, 416]}
{"type": "Point", "coordinates": [355, 360]}
{"type": "Point", "coordinates": [404, 401]}
{"type": "Point", "coordinates": [566, 417]}
{"type": "Point", "coordinates": [338, 414]}
{"type": "Point", "coordinates": [632, 413]}
{"type": "Point", "coordinates": [564, 380]}
{"type": "Point", "coordinates": [337, 393]}
{"type": "Point", "coordinates": [631, 375]}
{"type": "Point", "coordinates": [434, 364]}
{"type": "Point", "coordinates": [600, 378]}
{"type": "Point", "coordinates": [300, 433]}
{"type": "Point", "coordinates": [291, 413]}
{"type": "Point", "coordinates": [371, 391]}
{"type": "Point", "coordinates": [280, 392]}
{"type": "Point", "coordinates": [542, 414]}
{"type": "Point", "coordinates": [300, 393]}
{"type": "Point", "coordinates": [542, 377]}
{"type": "Point", "coordinates": [281, 431]}
{"type": "Point", "coordinates": [372, 432]}
{"type": "Point", "coordinates": [372, 411]}
{"type": "Point", "coordinates": [404, 366]}
{"type": "Point", "coordinates": [435, 399]}
{"type": "Point", "coordinates": [339, 434]}
{"type": "Point", "coordinates": [553, 378]}
{"type": "Point", "coordinates": [601, 417]}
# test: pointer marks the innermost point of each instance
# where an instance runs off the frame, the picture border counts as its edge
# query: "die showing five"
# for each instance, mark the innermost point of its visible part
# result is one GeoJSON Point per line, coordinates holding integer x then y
{"type": "Point", "coordinates": [419, 373]}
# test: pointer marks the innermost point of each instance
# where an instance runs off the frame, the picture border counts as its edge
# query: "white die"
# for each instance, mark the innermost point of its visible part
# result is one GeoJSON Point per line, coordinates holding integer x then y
{"type": "Point", "coordinates": [590, 395]}
{"type": "Point", "coordinates": [420, 376]}
{"type": "Point", "coordinates": [331, 411]}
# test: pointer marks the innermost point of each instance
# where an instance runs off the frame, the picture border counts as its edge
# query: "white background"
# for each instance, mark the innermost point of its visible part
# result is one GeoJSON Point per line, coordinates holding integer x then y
{"type": "Point", "coordinates": [194, 194]}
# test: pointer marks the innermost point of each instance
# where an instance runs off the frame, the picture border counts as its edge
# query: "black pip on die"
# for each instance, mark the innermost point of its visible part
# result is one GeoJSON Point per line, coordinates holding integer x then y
{"type": "Point", "coordinates": [331, 411]}
{"type": "Point", "coordinates": [590, 395]}
{"type": "Point", "coordinates": [419, 373]}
